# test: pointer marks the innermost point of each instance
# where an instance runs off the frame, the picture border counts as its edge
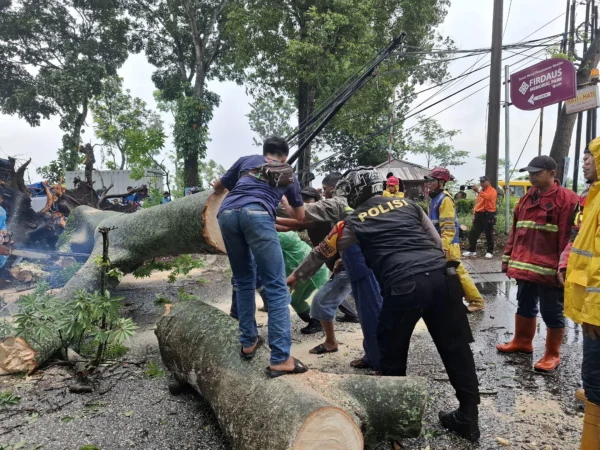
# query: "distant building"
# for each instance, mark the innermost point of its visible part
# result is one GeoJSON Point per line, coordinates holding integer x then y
{"type": "Point", "coordinates": [120, 179]}
{"type": "Point", "coordinates": [412, 176]}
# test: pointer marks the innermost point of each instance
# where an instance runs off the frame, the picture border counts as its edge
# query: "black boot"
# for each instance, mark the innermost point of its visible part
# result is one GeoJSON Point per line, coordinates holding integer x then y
{"type": "Point", "coordinates": [314, 326]}
{"type": "Point", "coordinates": [233, 310]}
{"type": "Point", "coordinates": [305, 316]}
{"type": "Point", "coordinates": [461, 424]}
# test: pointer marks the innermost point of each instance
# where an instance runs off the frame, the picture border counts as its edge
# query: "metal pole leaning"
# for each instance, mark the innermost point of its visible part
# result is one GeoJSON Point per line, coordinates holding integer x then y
{"type": "Point", "coordinates": [507, 148]}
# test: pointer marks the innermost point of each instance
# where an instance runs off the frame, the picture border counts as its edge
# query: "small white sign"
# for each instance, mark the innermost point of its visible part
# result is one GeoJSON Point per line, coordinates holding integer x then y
{"type": "Point", "coordinates": [587, 98]}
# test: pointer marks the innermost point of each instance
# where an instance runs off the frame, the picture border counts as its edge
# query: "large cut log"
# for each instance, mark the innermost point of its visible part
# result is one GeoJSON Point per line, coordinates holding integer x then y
{"type": "Point", "coordinates": [183, 226]}
{"type": "Point", "coordinates": [199, 345]}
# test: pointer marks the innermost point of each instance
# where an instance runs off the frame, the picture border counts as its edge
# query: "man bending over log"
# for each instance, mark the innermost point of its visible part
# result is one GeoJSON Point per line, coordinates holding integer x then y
{"type": "Point", "coordinates": [256, 185]}
{"type": "Point", "coordinates": [401, 245]}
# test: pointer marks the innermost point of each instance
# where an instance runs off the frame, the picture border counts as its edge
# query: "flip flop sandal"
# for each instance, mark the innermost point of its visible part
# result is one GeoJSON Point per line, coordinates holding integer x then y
{"type": "Point", "coordinates": [299, 367]}
{"type": "Point", "coordinates": [360, 364]}
{"type": "Point", "coordinates": [249, 356]}
{"type": "Point", "coordinates": [320, 349]}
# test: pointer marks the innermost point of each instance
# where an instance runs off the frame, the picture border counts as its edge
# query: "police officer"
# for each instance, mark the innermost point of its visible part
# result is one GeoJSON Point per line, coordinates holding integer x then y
{"type": "Point", "coordinates": [403, 248]}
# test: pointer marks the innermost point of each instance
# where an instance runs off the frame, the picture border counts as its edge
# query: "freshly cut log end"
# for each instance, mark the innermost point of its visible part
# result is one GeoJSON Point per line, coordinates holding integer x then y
{"type": "Point", "coordinates": [212, 232]}
{"type": "Point", "coordinates": [329, 428]}
{"type": "Point", "coordinates": [199, 345]}
{"type": "Point", "coordinates": [16, 356]}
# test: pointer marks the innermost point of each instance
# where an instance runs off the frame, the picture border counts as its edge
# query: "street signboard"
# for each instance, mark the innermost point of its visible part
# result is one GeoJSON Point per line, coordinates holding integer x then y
{"type": "Point", "coordinates": [543, 84]}
{"type": "Point", "coordinates": [587, 98]}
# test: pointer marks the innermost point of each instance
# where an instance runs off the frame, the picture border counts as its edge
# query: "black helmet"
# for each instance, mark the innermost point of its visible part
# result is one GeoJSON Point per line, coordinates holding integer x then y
{"type": "Point", "coordinates": [194, 190]}
{"type": "Point", "coordinates": [359, 185]}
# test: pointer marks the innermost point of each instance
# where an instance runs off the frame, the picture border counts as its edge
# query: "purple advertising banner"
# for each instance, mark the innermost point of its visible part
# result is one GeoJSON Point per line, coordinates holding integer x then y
{"type": "Point", "coordinates": [543, 84]}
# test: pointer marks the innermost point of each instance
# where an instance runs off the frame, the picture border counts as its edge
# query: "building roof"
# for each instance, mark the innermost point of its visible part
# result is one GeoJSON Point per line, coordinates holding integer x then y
{"type": "Point", "coordinates": [404, 170]}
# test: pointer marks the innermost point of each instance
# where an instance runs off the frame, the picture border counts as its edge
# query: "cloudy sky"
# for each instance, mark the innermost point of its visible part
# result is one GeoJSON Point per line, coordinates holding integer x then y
{"type": "Point", "coordinates": [468, 23]}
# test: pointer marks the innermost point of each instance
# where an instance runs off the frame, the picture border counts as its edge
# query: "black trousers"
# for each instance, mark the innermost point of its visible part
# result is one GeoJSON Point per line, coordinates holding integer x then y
{"type": "Point", "coordinates": [482, 222]}
{"type": "Point", "coordinates": [426, 296]}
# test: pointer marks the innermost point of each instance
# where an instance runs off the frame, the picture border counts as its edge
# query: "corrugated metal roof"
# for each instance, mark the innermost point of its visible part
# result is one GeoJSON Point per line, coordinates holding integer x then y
{"type": "Point", "coordinates": [119, 178]}
{"type": "Point", "coordinates": [404, 170]}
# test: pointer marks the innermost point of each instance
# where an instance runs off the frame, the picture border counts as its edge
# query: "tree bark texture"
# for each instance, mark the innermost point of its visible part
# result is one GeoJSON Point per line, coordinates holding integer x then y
{"type": "Point", "coordinates": [566, 122]}
{"type": "Point", "coordinates": [184, 226]}
{"type": "Point", "coordinates": [199, 345]}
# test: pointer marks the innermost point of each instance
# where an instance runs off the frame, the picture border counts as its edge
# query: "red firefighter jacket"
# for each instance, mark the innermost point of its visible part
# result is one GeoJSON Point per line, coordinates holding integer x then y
{"type": "Point", "coordinates": [541, 229]}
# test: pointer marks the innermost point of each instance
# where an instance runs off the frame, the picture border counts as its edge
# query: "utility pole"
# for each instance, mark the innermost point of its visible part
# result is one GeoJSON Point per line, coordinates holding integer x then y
{"type": "Point", "coordinates": [565, 45]}
{"type": "Point", "coordinates": [507, 149]}
{"type": "Point", "coordinates": [493, 138]}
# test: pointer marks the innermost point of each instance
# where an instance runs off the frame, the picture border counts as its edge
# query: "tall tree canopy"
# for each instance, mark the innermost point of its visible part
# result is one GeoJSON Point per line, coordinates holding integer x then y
{"type": "Point", "coordinates": [186, 41]}
{"type": "Point", "coordinates": [307, 49]}
{"type": "Point", "coordinates": [54, 55]}
{"type": "Point", "coordinates": [433, 143]}
{"type": "Point", "coordinates": [126, 126]}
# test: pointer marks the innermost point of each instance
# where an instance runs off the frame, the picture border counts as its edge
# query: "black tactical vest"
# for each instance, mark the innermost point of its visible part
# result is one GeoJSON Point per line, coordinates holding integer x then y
{"type": "Point", "coordinates": [392, 239]}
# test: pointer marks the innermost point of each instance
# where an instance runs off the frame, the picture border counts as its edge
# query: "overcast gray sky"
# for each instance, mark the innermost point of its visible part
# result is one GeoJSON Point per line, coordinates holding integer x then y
{"type": "Point", "coordinates": [468, 23]}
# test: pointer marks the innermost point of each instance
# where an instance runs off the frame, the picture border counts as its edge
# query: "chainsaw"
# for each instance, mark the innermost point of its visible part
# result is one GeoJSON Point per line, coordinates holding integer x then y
{"type": "Point", "coordinates": [32, 254]}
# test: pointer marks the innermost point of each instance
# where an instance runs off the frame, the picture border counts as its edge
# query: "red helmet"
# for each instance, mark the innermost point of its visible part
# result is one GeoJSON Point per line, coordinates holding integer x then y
{"type": "Point", "coordinates": [393, 181]}
{"type": "Point", "coordinates": [439, 173]}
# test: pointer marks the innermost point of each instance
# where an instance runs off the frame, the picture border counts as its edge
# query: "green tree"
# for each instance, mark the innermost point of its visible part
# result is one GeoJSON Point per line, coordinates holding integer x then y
{"type": "Point", "coordinates": [307, 49]}
{"type": "Point", "coordinates": [127, 128]}
{"type": "Point", "coordinates": [501, 166]}
{"type": "Point", "coordinates": [186, 41]}
{"type": "Point", "coordinates": [434, 146]}
{"type": "Point", "coordinates": [54, 55]}
{"type": "Point", "coordinates": [208, 172]}
{"type": "Point", "coordinates": [271, 117]}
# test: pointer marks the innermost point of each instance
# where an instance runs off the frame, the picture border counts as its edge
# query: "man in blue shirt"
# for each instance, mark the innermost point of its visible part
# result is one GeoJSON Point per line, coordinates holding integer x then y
{"type": "Point", "coordinates": [247, 222]}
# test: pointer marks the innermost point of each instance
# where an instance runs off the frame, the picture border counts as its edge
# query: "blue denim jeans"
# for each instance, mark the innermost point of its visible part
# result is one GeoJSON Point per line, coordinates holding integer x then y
{"type": "Point", "coordinates": [551, 303]}
{"type": "Point", "coordinates": [329, 297]}
{"type": "Point", "coordinates": [590, 369]}
{"type": "Point", "coordinates": [251, 231]}
{"type": "Point", "coordinates": [367, 295]}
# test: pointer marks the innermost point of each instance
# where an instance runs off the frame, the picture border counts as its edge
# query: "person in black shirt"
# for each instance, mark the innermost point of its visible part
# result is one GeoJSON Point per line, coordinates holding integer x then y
{"type": "Point", "coordinates": [401, 245]}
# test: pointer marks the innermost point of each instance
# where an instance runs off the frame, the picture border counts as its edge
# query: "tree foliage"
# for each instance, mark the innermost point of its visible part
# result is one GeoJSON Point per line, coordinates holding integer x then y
{"type": "Point", "coordinates": [186, 41]}
{"type": "Point", "coordinates": [307, 50]}
{"type": "Point", "coordinates": [433, 143]}
{"type": "Point", "coordinates": [271, 117]}
{"type": "Point", "coordinates": [54, 55]}
{"type": "Point", "coordinates": [127, 128]}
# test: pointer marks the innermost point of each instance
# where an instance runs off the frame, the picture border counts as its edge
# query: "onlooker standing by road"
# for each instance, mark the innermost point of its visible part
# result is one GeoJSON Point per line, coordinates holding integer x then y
{"type": "Point", "coordinates": [582, 297]}
{"type": "Point", "coordinates": [393, 188]}
{"type": "Point", "coordinates": [542, 225]}
{"type": "Point", "coordinates": [461, 194]}
{"type": "Point", "coordinates": [484, 217]}
{"type": "Point", "coordinates": [247, 221]}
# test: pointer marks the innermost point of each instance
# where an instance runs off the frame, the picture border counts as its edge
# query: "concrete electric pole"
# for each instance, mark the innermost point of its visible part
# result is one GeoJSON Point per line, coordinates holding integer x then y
{"type": "Point", "coordinates": [493, 137]}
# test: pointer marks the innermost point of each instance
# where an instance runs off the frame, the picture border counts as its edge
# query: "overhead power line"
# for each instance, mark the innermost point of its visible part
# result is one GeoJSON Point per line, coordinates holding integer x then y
{"type": "Point", "coordinates": [383, 130]}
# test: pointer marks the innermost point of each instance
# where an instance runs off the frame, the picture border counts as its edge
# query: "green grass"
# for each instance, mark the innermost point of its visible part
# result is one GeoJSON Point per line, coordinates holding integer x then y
{"type": "Point", "coordinates": [7, 399]}
{"type": "Point", "coordinates": [153, 370]}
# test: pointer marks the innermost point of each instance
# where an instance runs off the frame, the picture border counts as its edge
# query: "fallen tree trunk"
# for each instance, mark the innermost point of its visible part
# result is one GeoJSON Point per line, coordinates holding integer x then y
{"type": "Point", "coordinates": [184, 226]}
{"type": "Point", "coordinates": [199, 345]}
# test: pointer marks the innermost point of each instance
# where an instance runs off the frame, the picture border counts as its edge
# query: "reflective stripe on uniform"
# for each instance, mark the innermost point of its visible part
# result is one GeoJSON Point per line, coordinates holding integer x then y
{"type": "Point", "coordinates": [592, 289]}
{"type": "Point", "coordinates": [505, 258]}
{"type": "Point", "coordinates": [532, 268]}
{"type": "Point", "coordinates": [447, 219]}
{"type": "Point", "coordinates": [581, 252]}
{"type": "Point", "coordinates": [535, 226]}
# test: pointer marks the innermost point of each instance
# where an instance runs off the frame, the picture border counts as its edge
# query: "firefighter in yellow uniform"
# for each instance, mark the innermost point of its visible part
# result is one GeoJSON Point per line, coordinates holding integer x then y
{"type": "Point", "coordinates": [392, 188]}
{"type": "Point", "coordinates": [443, 215]}
{"type": "Point", "coordinates": [582, 298]}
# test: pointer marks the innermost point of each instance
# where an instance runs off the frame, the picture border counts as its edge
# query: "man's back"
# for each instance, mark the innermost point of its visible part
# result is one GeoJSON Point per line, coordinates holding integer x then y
{"type": "Point", "coordinates": [393, 240]}
{"type": "Point", "coordinates": [247, 189]}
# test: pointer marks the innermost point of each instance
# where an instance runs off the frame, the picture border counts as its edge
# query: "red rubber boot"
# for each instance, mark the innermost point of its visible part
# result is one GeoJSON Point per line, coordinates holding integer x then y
{"type": "Point", "coordinates": [523, 338]}
{"type": "Point", "coordinates": [551, 358]}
